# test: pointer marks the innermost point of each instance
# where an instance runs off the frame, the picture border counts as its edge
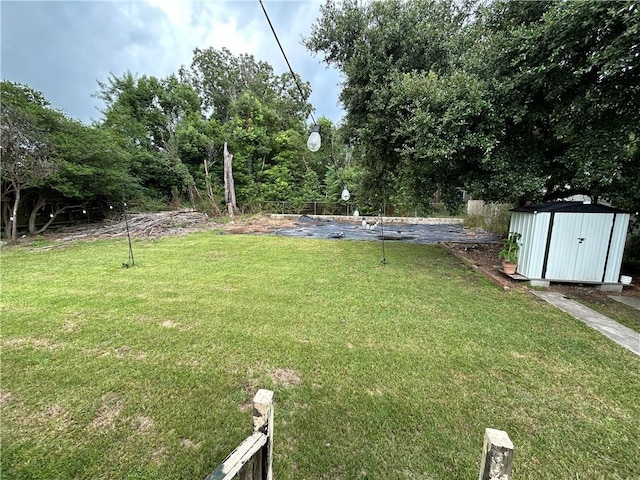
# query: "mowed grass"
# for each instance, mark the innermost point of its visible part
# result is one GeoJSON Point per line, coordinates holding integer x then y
{"type": "Point", "coordinates": [379, 371]}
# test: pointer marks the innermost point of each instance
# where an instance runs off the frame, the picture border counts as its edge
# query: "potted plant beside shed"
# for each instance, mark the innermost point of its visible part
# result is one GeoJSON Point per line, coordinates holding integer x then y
{"type": "Point", "coordinates": [509, 253]}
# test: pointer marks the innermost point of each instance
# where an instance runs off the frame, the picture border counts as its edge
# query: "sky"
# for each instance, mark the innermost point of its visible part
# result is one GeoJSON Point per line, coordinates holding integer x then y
{"type": "Point", "coordinates": [63, 48]}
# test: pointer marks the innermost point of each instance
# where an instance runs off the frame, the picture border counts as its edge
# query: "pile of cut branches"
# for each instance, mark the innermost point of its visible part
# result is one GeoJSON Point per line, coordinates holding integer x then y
{"type": "Point", "coordinates": [149, 225]}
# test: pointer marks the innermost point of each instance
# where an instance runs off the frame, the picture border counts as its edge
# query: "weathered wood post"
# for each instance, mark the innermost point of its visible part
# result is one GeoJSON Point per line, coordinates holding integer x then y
{"type": "Point", "coordinates": [229, 187]}
{"type": "Point", "coordinates": [497, 455]}
{"type": "Point", "coordinates": [263, 422]}
{"type": "Point", "coordinates": [256, 449]}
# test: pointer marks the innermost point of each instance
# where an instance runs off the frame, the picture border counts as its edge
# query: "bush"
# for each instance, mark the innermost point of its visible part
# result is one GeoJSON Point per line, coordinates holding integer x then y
{"type": "Point", "coordinates": [498, 224]}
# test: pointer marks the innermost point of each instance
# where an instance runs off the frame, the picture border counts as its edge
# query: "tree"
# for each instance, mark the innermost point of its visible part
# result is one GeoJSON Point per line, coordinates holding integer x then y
{"type": "Point", "coordinates": [261, 117]}
{"type": "Point", "coordinates": [567, 79]}
{"type": "Point", "coordinates": [516, 101]}
{"type": "Point", "coordinates": [147, 113]}
{"type": "Point", "coordinates": [51, 161]}
{"type": "Point", "coordinates": [376, 45]}
{"type": "Point", "coordinates": [25, 144]}
{"type": "Point", "coordinates": [92, 169]}
{"type": "Point", "coordinates": [222, 79]}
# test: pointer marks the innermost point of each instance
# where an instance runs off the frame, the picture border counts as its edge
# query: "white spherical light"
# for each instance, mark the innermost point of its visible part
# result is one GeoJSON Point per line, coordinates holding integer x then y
{"type": "Point", "coordinates": [314, 141]}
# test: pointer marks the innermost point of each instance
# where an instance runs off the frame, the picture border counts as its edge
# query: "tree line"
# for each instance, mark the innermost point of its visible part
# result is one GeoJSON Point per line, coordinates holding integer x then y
{"type": "Point", "coordinates": [161, 141]}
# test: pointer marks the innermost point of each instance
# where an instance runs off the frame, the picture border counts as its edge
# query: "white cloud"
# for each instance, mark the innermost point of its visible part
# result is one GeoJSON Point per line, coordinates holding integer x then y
{"type": "Point", "coordinates": [63, 47]}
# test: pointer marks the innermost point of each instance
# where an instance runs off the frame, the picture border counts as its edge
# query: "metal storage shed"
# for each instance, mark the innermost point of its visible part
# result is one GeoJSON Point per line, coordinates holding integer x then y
{"type": "Point", "coordinates": [570, 241]}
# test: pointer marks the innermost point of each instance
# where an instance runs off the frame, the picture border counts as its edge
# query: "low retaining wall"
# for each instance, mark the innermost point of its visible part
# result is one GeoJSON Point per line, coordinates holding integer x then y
{"type": "Point", "coordinates": [386, 220]}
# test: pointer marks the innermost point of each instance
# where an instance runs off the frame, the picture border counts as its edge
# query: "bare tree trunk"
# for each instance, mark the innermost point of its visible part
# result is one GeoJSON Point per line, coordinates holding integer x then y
{"type": "Point", "coordinates": [34, 213]}
{"type": "Point", "coordinates": [208, 180]}
{"type": "Point", "coordinates": [229, 188]}
{"type": "Point", "coordinates": [6, 213]}
{"type": "Point", "coordinates": [14, 221]}
{"type": "Point", "coordinates": [52, 218]}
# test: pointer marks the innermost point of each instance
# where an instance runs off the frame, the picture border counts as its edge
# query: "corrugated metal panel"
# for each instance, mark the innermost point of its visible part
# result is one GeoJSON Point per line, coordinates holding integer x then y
{"type": "Point", "coordinates": [533, 228]}
{"type": "Point", "coordinates": [616, 249]}
{"type": "Point", "coordinates": [593, 244]}
{"type": "Point", "coordinates": [563, 248]}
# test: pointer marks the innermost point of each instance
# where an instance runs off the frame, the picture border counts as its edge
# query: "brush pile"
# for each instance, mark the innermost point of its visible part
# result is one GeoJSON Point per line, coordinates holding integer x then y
{"type": "Point", "coordinates": [147, 225]}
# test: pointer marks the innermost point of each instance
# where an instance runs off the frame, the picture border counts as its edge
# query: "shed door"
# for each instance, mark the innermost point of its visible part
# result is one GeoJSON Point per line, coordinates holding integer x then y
{"type": "Point", "coordinates": [578, 247]}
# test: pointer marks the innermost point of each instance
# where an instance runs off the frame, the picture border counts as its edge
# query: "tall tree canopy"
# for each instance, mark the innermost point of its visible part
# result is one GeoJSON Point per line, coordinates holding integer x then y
{"type": "Point", "coordinates": [146, 113]}
{"type": "Point", "coordinates": [175, 128]}
{"type": "Point", "coordinates": [261, 116]}
{"type": "Point", "coordinates": [515, 101]}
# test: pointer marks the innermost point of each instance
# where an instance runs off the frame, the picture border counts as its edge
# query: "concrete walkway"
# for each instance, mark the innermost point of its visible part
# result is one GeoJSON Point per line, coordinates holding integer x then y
{"type": "Point", "coordinates": [631, 301]}
{"type": "Point", "coordinates": [624, 336]}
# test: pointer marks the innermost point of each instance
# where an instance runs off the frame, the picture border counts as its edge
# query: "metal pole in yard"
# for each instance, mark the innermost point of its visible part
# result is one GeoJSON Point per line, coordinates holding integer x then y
{"type": "Point", "coordinates": [384, 258]}
{"type": "Point", "coordinates": [126, 222]}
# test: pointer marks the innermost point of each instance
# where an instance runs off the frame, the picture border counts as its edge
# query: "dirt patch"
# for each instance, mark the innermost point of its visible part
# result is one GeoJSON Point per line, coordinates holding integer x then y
{"type": "Point", "coordinates": [186, 443]}
{"type": "Point", "coordinates": [58, 415]}
{"type": "Point", "coordinates": [5, 397]}
{"type": "Point", "coordinates": [54, 410]}
{"type": "Point", "coordinates": [481, 254]}
{"type": "Point", "coordinates": [260, 224]}
{"type": "Point", "coordinates": [122, 351]}
{"type": "Point", "coordinates": [127, 351]}
{"type": "Point", "coordinates": [284, 376]}
{"type": "Point", "coordinates": [38, 343]}
{"type": "Point", "coordinates": [108, 412]}
{"type": "Point", "coordinates": [161, 224]}
{"type": "Point", "coordinates": [69, 327]}
{"type": "Point", "coordinates": [144, 424]}
{"type": "Point", "coordinates": [484, 258]}
{"type": "Point", "coordinates": [159, 454]}
{"type": "Point", "coordinates": [174, 325]}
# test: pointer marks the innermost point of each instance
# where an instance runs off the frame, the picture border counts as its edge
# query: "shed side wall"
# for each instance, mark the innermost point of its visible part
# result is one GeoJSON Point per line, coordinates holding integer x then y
{"type": "Point", "coordinates": [534, 228]}
{"type": "Point", "coordinates": [616, 250]}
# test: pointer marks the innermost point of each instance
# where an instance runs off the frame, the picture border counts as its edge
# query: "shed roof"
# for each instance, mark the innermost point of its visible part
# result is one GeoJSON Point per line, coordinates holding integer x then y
{"type": "Point", "coordinates": [568, 207]}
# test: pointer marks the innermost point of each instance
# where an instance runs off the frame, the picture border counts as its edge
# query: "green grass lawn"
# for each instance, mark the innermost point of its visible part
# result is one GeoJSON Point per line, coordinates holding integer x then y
{"type": "Point", "coordinates": [381, 372]}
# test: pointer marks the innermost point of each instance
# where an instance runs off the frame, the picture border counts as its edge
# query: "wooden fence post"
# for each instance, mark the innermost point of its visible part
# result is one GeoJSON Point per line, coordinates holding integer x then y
{"type": "Point", "coordinates": [263, 422]}
{"type": "Point", "coordinates": [497, 455]}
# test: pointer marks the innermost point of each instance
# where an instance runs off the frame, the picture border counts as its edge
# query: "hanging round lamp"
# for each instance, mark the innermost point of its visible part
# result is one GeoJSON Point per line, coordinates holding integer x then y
{"type": "Point", "coordinates": [314, 141]}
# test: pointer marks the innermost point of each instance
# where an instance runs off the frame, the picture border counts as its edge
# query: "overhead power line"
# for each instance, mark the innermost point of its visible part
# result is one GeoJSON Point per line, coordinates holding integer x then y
{"type": "Point", "coordinates": [295, 78]}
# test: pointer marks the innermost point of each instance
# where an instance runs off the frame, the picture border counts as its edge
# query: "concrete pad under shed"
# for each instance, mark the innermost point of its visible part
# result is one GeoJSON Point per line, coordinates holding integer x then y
{"type": "Point", "coordinates": [624, 336]}
{"type": "Point", "coordinates": [610, 287]}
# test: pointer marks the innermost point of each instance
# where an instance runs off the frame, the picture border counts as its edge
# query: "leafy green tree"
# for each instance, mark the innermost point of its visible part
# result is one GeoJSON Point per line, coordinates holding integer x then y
{"type": "Point", "coordinates": [147, 113]}
{"type": "Point", "coordinates": [222, 79]}
{"type": "Point", "coordinates": [26, 144]}
{"type": "Point", "coordinates": [568, 74]}
{"type": "Point", "coordinates": [54, 161]}
{"type": "Point", "coordinates": [376, 45]}
{"type": "Point", "coordinates": [92, 169]}
{"type": "Point", "coordinates": [515, 101]}
{"type": "Point", "coordinates": [261, 117]}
